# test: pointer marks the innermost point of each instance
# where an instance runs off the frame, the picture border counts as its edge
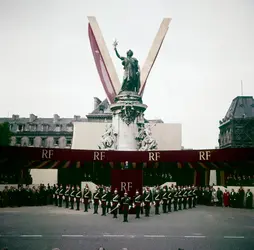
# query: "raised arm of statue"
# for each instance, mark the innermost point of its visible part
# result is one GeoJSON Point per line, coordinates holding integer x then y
{"type": "Point", "coordinates": [117, 54]}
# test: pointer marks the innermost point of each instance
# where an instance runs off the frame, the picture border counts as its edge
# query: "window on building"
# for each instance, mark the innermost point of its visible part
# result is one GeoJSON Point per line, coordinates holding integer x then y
{"type": "Point", "coordinates": [20, 128]}
{"type": "Point", "coordinates": [58, 128]}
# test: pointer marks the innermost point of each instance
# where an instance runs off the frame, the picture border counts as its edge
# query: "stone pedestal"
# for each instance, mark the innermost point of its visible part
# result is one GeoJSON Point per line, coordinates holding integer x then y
{"type": "Point", "coordinates": [127, 113]}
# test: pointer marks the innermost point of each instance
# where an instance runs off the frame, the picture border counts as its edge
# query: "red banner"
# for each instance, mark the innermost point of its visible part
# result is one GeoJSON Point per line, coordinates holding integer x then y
{"type": "Point", "coordinates": [128, 180]}
{"type": "Point", "coordinates": [101, 67]}
{"type": "Point", "coordinates": [46, 154]}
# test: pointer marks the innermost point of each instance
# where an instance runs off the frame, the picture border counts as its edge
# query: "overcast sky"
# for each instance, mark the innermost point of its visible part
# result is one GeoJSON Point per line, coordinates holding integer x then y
{"type": "Point", "coordinates": [47, 67]}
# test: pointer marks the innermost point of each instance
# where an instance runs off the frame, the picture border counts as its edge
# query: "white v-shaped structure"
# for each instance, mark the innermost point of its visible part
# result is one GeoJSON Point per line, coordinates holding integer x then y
{"type": "Point", "coordinates": [104, 64]}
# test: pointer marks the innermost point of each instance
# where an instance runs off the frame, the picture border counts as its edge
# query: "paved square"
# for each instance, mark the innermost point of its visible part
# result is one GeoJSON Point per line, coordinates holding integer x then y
{"type": "Point", "coordinates": [50, 227]}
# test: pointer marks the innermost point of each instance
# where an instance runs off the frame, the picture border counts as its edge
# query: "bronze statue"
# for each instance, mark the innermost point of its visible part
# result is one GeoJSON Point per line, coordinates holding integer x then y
{"type": "Point", "coordinates": [131, 79]}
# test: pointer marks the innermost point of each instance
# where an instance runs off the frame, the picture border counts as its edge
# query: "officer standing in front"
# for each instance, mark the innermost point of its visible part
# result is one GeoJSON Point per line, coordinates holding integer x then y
{"type": "Point", "coordinates": [126, 206]}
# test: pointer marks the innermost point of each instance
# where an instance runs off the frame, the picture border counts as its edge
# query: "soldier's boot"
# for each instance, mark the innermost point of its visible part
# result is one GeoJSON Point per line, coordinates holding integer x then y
{"type": "Point", "coordinates": [175, 207]}
{"type": "Point", "coordinates": [169, 207]}
{"type": "Point", "coordinates": [85, 208]}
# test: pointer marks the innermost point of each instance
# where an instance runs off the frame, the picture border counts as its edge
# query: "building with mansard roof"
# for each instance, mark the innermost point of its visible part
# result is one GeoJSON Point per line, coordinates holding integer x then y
{"type": "Point", "coordinates": [237, 127]}
{"type": "Point", "coordinates": [56, 132]}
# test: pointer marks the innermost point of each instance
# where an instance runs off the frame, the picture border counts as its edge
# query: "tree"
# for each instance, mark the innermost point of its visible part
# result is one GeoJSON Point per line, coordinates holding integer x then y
{"type": "Point", "coordinates": [5, 134]}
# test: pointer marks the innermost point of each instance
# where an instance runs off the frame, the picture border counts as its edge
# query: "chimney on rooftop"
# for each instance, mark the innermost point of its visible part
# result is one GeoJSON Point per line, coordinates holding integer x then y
{"type": "Point", "coordinates": [56, 118]}
{"type": "Point", "coordinates": [15, 117]}
{"type": "Point", "coordinates": [76, 118]}
{"type": "Point", "coordinates": [32, 118]}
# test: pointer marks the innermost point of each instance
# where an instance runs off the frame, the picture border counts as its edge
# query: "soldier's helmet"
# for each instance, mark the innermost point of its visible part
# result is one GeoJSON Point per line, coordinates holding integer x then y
{"type": "Point", "coordinates": [125, 193]}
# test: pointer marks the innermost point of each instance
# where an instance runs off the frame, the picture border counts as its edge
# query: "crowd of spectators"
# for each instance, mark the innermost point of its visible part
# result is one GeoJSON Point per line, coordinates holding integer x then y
{"type": "Point", "coordinates": [240, 180]}
{"type": "Point", "coordinates": [27, 195]}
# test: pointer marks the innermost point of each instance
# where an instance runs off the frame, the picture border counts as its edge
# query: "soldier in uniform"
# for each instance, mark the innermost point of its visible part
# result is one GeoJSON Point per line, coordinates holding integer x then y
{"type": "Point", "coordinates": [66, 196]}
{"type": "Point", "coordinates": [96, 200]}
{"type": "Point", "coordinates": [195, 197]}
{"type": "Point", "coordinates": [147, 201]}
{"type": "Point", "coordinates": [115, 203]}
{"type": "Point", "coordinates": [249, 199]}
{"type": "Point", "coordinates": [126, 206]}
{"type": "Point", "coordinates": [185, 198]}
{"type": "Point", "coordinates": [56, 195]}
{"type": "Point", "coordinates": [87, 195]}
{"type": "Point", "coordinates": [157, 201]}
{"type": "Point", "coordinates": [78, 197]}
{"type": "Point", "coordinates": [190, 196]}
{"type": "Point", "coordinates": [109, 195]}
{"type": "Point", "coordinates": [72, 196]}
{"type": "Point", "coordinates": [169, 199]}
{"type": "Point", "coordinates": [137, 204]}
{"type": "Point", "coordinates": [60, 194]}
{"type": "Point", "coordinates": [175, 193]}
{"type": "Point", "coordinates": [104, 202]}
{"type": "Point", "coordinates": [180, 198]}
{"type": "Point", "coordinates": [164, 200]}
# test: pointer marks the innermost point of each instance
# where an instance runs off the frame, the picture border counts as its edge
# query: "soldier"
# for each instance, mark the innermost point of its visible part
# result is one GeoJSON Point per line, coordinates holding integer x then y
{"type": "Point", "coordinates": [115, 203]}
{"type": "Point", "coordinates": [195, 197]}
{"type": "Point", "coordinates": [249, 199]}
{"type": "Point", "coordinates": [87, 195]}
{"type": "Point", "coordinates": [78, 197]}
{"type": "Point", "coordinates": [185, 197]}
{"type": "Point", "coordinates": [60, 194]}
{"type": "Point", "coordinates": [104, 202]}
{"type": "Point", "coordinates": [137, 204]}
{"type": "Point", "coordinates": [175, 193]}
{"type": "Point", "coordinates": [190, 197]}
{"type": "Point", "coordinates": [66, 196]}
{"type": "Point", "coordinates": [147, 201]}
{"type": "Point", "coordinates": [169, 199]}
{"type": "Point", "coordinates": [72, 196]}
{"type": "Point", "coordinates": [164, 200]}
{"type": "Point", "coordinates": [109, 195]}
{"type": "Point", "coordinates": [56, 195]}
{"type": "Point", "coordinates": [157, 201]}
{"type": "Point", "coordinates": [96, 200]}
{"type": "Point", "coordinates": [180, 198]}
{"type": "Point", "coordinates": [126, 206]}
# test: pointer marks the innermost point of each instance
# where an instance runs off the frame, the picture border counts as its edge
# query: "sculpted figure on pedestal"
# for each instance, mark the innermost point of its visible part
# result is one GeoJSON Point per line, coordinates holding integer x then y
{"type": "Point", "coordinates": [145, 140]}
{"type": "Point", "coordinates": [131, 79]}
{"type": "Point", "coordinates": [13, 141]}
{"type": "Point", "coordinates": [108, 140]}
{"type": "Point", "coordinates": [25, 141]}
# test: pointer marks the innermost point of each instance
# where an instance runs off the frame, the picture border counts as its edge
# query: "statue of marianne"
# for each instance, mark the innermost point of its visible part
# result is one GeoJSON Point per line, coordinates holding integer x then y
{"type": "Point", "coordinates": [131, 79]}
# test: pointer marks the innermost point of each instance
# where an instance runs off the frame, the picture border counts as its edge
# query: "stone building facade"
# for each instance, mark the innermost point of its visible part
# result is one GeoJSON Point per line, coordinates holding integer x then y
{"type": "Point", "coordinates": [55, 132]}
{"type": "Point", "coordinates": [237, 127]}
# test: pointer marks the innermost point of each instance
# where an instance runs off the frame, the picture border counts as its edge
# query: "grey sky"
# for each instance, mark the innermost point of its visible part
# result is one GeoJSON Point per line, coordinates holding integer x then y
{"type": "Point", "coordinates": [46, 64]}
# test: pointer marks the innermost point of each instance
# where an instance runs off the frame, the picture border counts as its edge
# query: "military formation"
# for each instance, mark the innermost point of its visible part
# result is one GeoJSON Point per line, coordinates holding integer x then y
{"type": "Point", "coordinates": [163, 200]}
{"type": "Point", "coordinates": [154, 200]}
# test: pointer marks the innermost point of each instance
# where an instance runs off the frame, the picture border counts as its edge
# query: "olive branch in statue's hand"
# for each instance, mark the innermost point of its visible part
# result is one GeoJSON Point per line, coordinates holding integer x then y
{"type": "Point", "coordinates": [115, 43]}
